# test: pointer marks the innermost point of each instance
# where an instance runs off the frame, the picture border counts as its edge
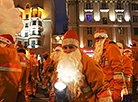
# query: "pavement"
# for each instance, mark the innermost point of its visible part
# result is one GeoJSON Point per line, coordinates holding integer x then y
{"type": "Point", "coordinates": [41, 95]}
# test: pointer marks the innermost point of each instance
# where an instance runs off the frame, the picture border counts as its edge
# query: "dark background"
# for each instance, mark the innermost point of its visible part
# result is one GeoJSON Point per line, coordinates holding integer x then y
{"type": "Point", "coordinates": [61, 19]}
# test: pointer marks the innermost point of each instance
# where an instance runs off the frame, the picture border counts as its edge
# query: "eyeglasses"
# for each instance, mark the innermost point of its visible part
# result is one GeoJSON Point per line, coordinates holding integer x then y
{"type": "Point", "coordinates": [120, 47]}
{"type": "Point", "coordinates": [99, 38]}
{"type": "Point", "coordinates": [69, 46]}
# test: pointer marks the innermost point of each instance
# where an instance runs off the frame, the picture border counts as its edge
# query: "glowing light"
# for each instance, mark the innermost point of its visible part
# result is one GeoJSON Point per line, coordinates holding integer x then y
{"type": "Point", "coordinates": [57, 38]}
{"type": "Point", "coordinates": [60, 85]}
{"type": "Point", "coordinates": [104, 10]}
{"type": "Point", "coordinates": [88, 10]}
{"type": "Point", "coordinates": [81, 18]}
{"type": "Point", "coordinates": [81, 45]}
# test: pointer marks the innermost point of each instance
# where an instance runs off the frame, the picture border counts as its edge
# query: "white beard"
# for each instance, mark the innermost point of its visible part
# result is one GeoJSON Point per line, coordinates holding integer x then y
{"type": "Point", "coordinates": [128, 54]}
{"type": "Point", "coordinates": [98, 49]}
{"type": "Point", "coordinates": [55, 55]}
{"type": "Point", "coordinates": [69, 71]}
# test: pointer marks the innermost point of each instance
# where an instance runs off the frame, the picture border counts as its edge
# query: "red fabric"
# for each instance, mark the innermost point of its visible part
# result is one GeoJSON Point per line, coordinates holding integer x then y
{"type": "Point", "coordinates": [134, 42]}
{"type": "Point", "coordinates": [100, 30]}
{"type": "Point", "coordinates": [9, 37]}
{"type": "Point", "coordinates": [19, 45]}
{"type": "Point", "coordinates": [104, 94]}
{"type": "Point", "coordinates": [71, 34]}
{"type": "Point", "coordinates": [32, 53]}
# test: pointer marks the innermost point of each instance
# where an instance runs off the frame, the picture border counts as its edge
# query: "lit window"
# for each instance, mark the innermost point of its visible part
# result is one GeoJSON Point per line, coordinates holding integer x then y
{"type": "Point", "coordinates": [33, 43]}
{"type": "Point", "coordinates": [119, 18]}
{"type": "Point", "coordinates": [121, 30]}
{"type": "Point", "coordinates": [89, 30]}
{"type": "Point", "coordinates": [90, 43]}
{"type": "Point", "coordinates": [89, 18]}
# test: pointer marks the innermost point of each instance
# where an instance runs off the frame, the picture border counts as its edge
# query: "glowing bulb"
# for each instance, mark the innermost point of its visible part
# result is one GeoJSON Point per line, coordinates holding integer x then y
{"type": "Point", "coordinates": [60, 86]}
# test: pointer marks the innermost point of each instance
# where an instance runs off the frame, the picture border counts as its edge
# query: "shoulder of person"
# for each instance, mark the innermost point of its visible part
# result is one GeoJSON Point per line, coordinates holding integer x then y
{"type": "Point", "coordinates": [112, 42]}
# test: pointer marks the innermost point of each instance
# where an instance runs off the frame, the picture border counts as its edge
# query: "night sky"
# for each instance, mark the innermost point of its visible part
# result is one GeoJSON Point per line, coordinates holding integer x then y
{"type": "Point", "coordinates": [60, 15]}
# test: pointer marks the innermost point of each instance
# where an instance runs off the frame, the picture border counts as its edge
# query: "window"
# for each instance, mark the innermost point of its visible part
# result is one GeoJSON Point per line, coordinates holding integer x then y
{"type": "Point", "coordinates": [121, 30]}
{"type": "Point", "coordinates": [135, 31]}
{"type": "Point", "coordinates": [90, 43]}
{"type": "Point", "coordinates": [89, 30]}
{"type": "Point", "coordinates": [40, 23]}
{"type": "Point", "coordinates": [27, 16]}
{"type": "Point", "coordinates": [135, 18]}
{"type": "Point", "coordinates": [19, 34]}
{"type": "Point", "coordinates": [33, 43]}
{"type": "Point", "coordinates": [27, 6]}
{"type": "Point", "coordinates": [26, 34]}
{"type": "Point", "coordinates": [25, 44]}
{"type": "Point", "coordinates": [120, 18]}
{"type": "Point", "coordinates": [134, 6]}
{"type": "Point", "coordinates": [89, 18]}
{"type": "Point", "coordinates": [36, 15]}
{"type": "Point", "coordinates": [33, 32]}
{"type": "Point", "coordinates": [88, 6]}
{"type": "Point", "coordinates": [19, 42]}
{"type": "Point", "coordinates": [34, 22]}
{"type": "Point", "coordinates": [39, 42]}
{"type": "Point", "coordinates": [26, 25]}
{"type": "Point", "coordinates": [39, 32]}
{"type": "Point", "coordinates": [104, 20]}
{"type": "Point", "coordinates": [118, 6]}
{"type": "Point", "coordinates": [103, 6]}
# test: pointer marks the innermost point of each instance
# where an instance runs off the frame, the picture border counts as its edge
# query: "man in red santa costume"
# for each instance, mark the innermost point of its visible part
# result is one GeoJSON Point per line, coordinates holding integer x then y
{"type": "Point", "coordinates": [10, 69]}
{"type": "Point", "coordinates": [108, 55]}
{"type": "Point", "coordinates": [56, 53]}
{"type": "Point", "coordinates": [82, 75]}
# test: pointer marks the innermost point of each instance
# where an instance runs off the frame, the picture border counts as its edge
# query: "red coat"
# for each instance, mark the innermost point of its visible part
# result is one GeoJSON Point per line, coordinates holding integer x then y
{"type": "Point", "coordinates": [10, 73]}
{"type": "Point", "coordinates": [112, 65]}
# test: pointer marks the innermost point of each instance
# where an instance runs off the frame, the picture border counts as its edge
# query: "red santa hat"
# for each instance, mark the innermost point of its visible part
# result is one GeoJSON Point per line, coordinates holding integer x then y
{"type": "Point", "coordinates": [32, 53]}
{"type": "Point", "coordinates": [57, 48]}
{"type": "Point", "coordinates": [100, 33]}
{"type": "Point", "coordinates": [70, 38]}
{"type": "Point", "coordinates": [7, 38]}
{"type": "Point", "coordinates": [127, 49]}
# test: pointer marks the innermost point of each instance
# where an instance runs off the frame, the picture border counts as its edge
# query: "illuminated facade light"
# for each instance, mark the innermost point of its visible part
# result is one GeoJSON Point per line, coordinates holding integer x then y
{"type": "Point", "coordinates": [57, 38]}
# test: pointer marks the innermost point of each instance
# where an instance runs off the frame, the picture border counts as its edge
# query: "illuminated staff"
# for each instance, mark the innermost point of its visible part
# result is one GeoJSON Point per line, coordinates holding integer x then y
{"type": "Point", "coordinates": [60, 92]}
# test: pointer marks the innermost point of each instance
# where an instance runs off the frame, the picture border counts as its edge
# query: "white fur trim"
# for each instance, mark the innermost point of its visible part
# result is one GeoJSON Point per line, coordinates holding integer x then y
{"type": "Point", "coordinates": [70, 41]}
{"type": "Point", "coordinates": [57, 48]}
{"type": "Point", "coordinates": [5, 40]}
{"type": "Point", "coordinates": [102, 34]}
{"type": "Point", "coordinates": [127, 50]}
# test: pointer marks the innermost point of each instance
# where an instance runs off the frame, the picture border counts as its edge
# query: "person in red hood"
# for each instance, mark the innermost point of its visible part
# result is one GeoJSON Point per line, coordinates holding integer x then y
{"type": "Point", "coordinates": [108, 55]}
{"type": "Point", "coordinates": [10, 69]}
{"type": "Point", "coordinates": [34, 75]}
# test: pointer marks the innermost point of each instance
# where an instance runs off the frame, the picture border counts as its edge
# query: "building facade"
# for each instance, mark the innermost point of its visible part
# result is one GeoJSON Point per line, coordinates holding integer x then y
{"type": "Point", "coordinates": [115, 16]}
{"type": "Point", "coordinates": [39, 24]}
